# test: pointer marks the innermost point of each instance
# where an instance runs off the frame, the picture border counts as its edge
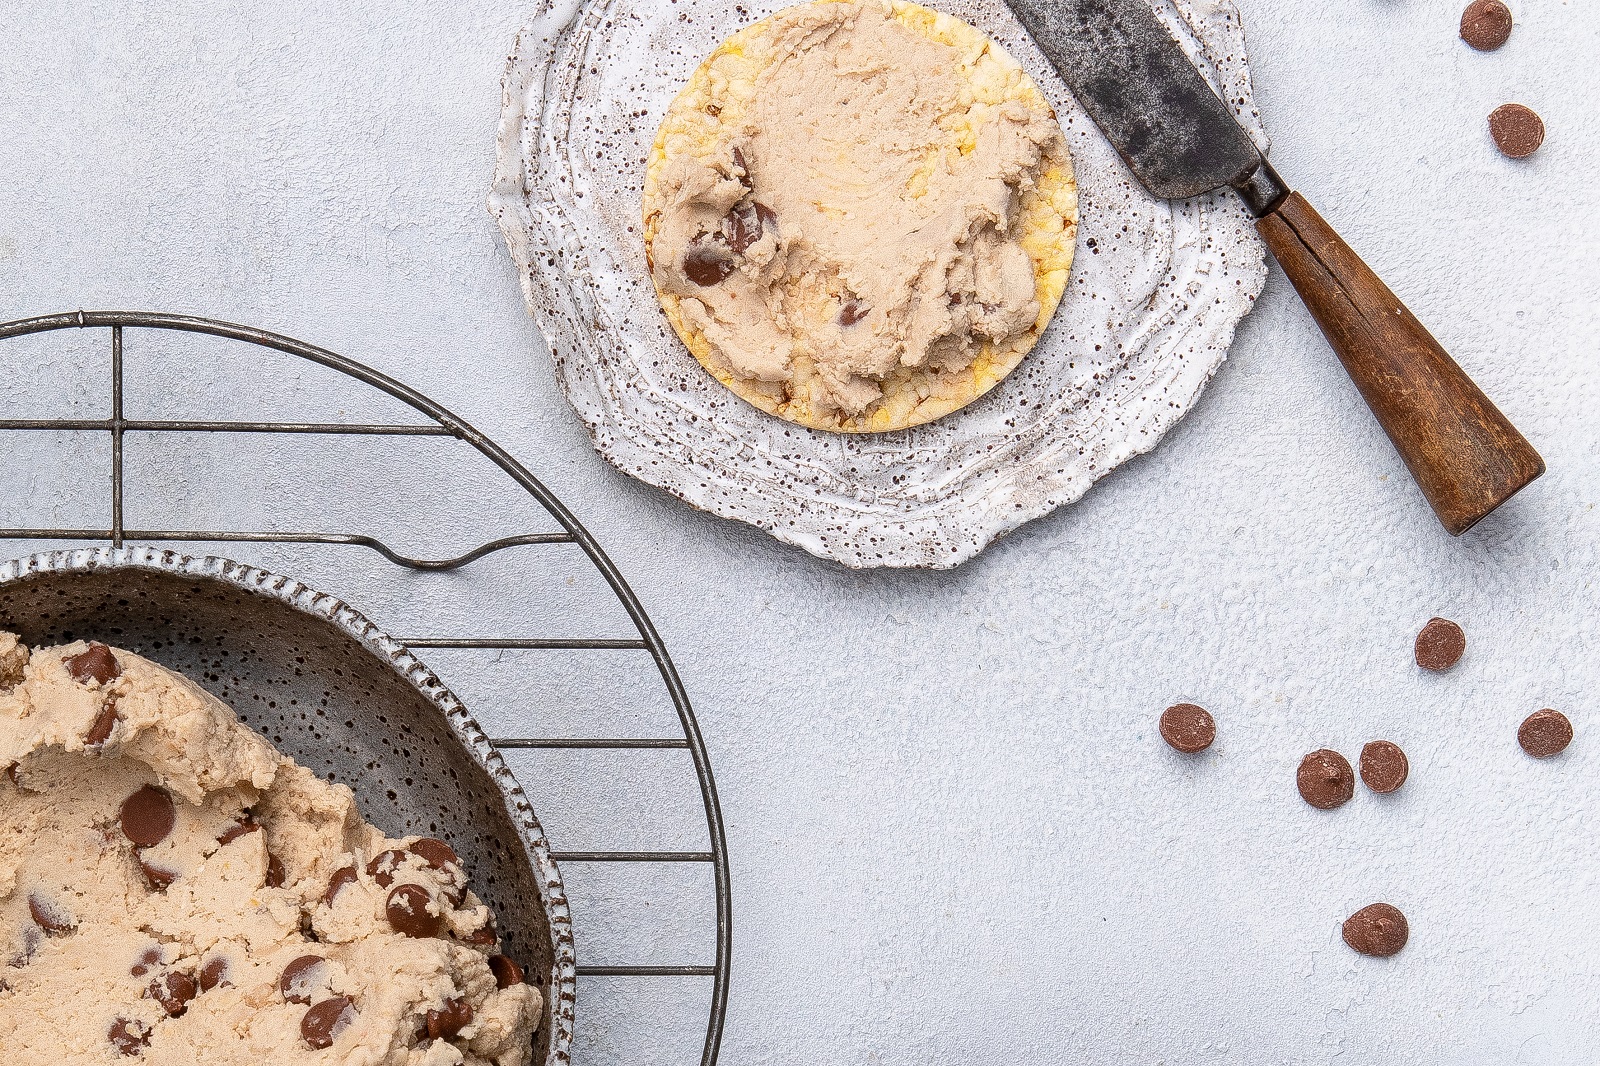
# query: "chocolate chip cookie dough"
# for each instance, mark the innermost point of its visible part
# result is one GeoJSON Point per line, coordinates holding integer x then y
{"type": "Point", "coordinates": [860, 216]}
{"type": "Point", "coordinates": [173, 890]}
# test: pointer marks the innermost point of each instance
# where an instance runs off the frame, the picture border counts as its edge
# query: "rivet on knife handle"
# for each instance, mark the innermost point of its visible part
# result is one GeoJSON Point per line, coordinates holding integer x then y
{"type": "Point", "coordinates": [1180, 139]}
{"type": "Point", "coordinates": [1465, 455]}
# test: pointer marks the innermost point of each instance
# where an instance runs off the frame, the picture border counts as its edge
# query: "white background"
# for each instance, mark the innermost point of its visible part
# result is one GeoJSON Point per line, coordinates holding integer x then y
{"type": "Point", "coordinates": [955, 834]}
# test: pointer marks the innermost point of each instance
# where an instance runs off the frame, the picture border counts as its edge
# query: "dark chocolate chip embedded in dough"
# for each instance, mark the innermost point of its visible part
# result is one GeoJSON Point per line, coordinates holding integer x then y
{"type": "Point", "coordinates": [48, 915]}
{"type": "Point", "coordinates": [506, 971]}
{"type": "Point", "coordinates": [148, 816]}
{"type": "Point", "coordinates": [214, 974]}
{"type": "Point", "coordinates": [173, 991]}
{"type": "Point", "coordinates": [748, 223]}
{"type": "Point", "coordinates": [743, 229]}
{"type": "Point", "coordinates": [708, 261]}
{"type": "Point", "coordinates": [147, 961]}
{"type": "Point", "coordinates": [299, 978]}
{"type": "Point", "coordinates": [435, 853]}
{"type": "Point", "coordinates": [1188, 728]}
{"type": "Point", "coordinates": [343, 876]}
{"type": "Point", "coordinates": [32, 939]}
{"type": "Point", "coordinates": [1486, 24]}
{"type": "Point", "coordinates": [852, 310]}
{"type": "Point", "coordinates": [382, 866]}
{"type": "Point", "coordinates": [1378, 930]}
{"type": "Point", "coordinates": [484, 936]}
{"type": "Point", "coordinates": [1517, 130]}
{"type": "Point", "coordinates": [128, 1036]}
{"type": "Point", "coordinates": [443, 1024]}
{"type": "Point", "coordinates": [159, 877]}
{"type": "Point", "coordinates": [237, 830]}
{"type": "Point", "coordinates": [1384, 767]}
{"type": "Point", "coordinates": [1545, 733]}
{"type": "Point", "coordinates": [277, 876]}
{"type": "Point", "coordinates": [1440, 645]}
{"type": "Point", "coordinates": [100, 729]}
{"type": "Point", "coordinates": [1326, 780]}
{"type": "Point", "coordinates": [324, 1022]}
{"type": "Point", "coordinates": [408, 913]}
{"type": "Point", "coordinates": [96, 664]}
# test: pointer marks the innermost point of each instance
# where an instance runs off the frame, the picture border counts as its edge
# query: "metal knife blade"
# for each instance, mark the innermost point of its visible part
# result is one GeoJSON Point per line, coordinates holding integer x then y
{"type": "Point", "coordinates": [1137, 84]}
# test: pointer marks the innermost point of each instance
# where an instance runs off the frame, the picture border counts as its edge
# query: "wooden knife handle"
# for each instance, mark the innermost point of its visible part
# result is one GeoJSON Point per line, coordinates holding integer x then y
{"type": "Point", "coordinates": [1467, 456]}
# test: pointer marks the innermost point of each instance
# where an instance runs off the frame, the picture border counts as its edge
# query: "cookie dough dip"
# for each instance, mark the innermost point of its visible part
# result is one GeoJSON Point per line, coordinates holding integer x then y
{"type": "Point", "coordinates": [860, 216]}
{"type": "Point", "coordinates": [175, 891]}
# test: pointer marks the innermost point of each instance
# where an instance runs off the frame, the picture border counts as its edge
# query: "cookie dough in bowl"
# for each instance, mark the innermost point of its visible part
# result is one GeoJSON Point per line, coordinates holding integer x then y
{"type": "Point", "coordinates": [860, 216]}
{"type": "Point", "coordinates": [175, 890]}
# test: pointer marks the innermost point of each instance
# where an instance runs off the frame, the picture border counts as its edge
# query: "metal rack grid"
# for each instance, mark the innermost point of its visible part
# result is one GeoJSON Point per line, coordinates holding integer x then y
{"type": "Point", "coordinates": [442, 424]}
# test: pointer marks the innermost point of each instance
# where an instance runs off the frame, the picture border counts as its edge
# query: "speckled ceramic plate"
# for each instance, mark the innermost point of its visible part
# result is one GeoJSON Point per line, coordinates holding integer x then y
{"type": "Point", "coordinates": [340, 697]}
{"type": "Point", "coordinates": [1156, 292]}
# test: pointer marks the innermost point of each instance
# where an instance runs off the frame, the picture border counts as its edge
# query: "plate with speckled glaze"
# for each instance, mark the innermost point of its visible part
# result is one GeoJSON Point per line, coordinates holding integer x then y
{"type": "Point", "coordinates": [1156, 293]}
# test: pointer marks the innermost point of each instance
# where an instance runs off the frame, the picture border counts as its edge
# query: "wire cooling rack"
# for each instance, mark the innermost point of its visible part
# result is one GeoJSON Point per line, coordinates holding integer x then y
{"type": "Point", "coordinates": [656, 1003]}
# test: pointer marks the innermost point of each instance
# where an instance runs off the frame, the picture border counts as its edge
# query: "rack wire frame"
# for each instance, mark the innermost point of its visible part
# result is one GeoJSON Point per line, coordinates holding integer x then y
{"type": "Point", "coordinates": [443, 424]}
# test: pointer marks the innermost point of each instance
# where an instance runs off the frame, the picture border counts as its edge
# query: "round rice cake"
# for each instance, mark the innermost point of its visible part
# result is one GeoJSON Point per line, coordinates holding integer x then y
{"type": "Point", "coordinates": [860, 216]}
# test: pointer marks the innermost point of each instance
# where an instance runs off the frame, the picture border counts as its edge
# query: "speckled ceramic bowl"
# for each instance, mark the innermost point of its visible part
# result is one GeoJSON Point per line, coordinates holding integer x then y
{"type": "Point", "coordinates": [341, 698]}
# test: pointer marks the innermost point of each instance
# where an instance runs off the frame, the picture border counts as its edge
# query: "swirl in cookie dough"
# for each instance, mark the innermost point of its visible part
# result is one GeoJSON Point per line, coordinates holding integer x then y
{"type": "Point", "coordinates": [857, 206]}
{"type": "Point", "coordinates": [173, 890]}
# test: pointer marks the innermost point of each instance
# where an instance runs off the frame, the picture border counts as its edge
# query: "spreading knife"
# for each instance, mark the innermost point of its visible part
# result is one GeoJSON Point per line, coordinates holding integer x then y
{"type": "Point", "coordinates": [1180, 140]}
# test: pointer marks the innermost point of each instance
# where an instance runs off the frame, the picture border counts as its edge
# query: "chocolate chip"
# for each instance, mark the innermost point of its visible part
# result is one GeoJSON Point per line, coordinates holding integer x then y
{"type": "Point", "coordinates": [11, 774]}
{"type": "Point", "coordinates": [277, 877]}
{"type": "Point", "coordinates": [708, 261]}
{"type": "Point", "coordinates": [148, 816]}
{"type": "Point", "coordinates": [214, 974]}
{"type": "Point", "coordinates": [1188, 728]}
{"type": "Point", "coordinates": [173, 991]}
{"type": "Point", "coordinates": [1378, 930]}
{"type": "Point", "coordinates": [746, 224]}
{"type": "Point", "coordinates": [442, 1024]}
{"type": "Point", "coordinates": [435, 853]}
{"type": "Point", "coordinates": [852, 310]}
{"type": "Point", "coordinates": [237, 830]}
{"type": "Point", "coordinates": [128, 1036]}
{"type": "Point", "coordinates": [1384, 766]}
{"type": "Point", "coordinates": [1545, 733]}
{"type": "Point", "coordinates": [383, 866]}
{"type": "Point", "coordinates": [32, 939]}
{"type": "Point", "coordinates": [96, 663]}
{"type": "Point", "coordinates": [1440, 645]}
{"type": "Point", "coordinates": [100, 729]}
{"type": "Point", "coordinates": [506, 971]}
{"type": "Point", "coordinates": [49, 916]}
{"type": "Point", "coordinates": [1486, 24]}
{"type": "Point", "coordinates": [323, 1023]}
{"type": "Point", "coordinates": [1516, 130]}
{"type": "Point", "coordinates": [408, 913]}
{"type": "Point", "coordinates": [299, 978]}
{"type": "Point", "coordinates": [149, 960]}
{"type": "Point", "coordinates": [739, 161]}
{"type": "Point", "coordinates": [341, 877]}
{"type": "Point", "coordinates": [484, 936]}
{"type": "Point", "coordinates": [1326, 780]}
{"type": "Point", "coordinates": [159, 877]}
{"type": "Point", "coordinates": [743, 228]}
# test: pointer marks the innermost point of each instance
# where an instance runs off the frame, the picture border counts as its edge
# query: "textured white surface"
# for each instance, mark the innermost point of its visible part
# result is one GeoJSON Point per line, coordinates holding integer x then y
{"type": "Point", "coordinates": [955, 835]}
{"type": "Point", "coordinates": [1156, 292]}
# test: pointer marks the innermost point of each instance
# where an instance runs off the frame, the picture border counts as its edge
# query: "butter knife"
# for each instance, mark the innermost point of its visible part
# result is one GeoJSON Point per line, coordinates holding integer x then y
{"type": "Point", "coordinates": [1180, 140]}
